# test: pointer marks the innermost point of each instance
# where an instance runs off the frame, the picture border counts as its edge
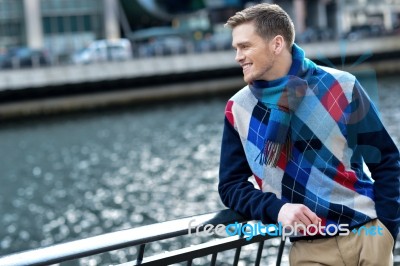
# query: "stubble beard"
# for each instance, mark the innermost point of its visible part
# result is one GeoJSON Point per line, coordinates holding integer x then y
{"type": "Point", "coordinates": [249, 78]}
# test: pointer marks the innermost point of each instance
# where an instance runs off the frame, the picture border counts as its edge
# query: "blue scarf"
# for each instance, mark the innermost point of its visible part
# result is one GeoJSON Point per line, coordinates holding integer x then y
{"type": "Point", "coordinates": [282, 97]}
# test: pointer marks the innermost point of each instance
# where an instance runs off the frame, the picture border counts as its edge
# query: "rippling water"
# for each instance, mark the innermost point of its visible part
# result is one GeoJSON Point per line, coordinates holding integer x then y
{"type": "Point", "coordinates": [73, 176]}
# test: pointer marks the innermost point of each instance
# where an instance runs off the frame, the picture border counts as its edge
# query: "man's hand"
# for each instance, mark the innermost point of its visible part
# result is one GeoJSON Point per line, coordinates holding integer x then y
{"type": "Point", "coordinates": [291, 214]}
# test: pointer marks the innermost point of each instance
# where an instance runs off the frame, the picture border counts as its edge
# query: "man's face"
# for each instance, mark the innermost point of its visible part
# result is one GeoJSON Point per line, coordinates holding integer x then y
{"type": "Point", "coordinates": [253, 53]}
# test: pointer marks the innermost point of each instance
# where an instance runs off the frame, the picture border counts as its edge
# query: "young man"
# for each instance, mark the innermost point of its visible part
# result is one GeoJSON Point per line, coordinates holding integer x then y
{"type": "Point", "coordinates": [303, 132]}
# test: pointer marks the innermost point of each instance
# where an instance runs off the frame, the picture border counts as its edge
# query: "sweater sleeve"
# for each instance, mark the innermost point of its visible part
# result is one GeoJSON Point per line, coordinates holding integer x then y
{"type": "Point", "coordinates": [373, 143]}
{"type": "Point", "coordinates": [235, 189]}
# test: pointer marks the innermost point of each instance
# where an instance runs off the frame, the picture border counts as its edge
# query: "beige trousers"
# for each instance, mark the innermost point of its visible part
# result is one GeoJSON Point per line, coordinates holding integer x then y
{"type": "Point", "coordinates": [350, 250]}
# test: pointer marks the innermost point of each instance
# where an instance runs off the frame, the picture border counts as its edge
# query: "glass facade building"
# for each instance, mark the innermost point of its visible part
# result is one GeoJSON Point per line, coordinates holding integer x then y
{"type": "Point", "coordinates": [12, 24]}
{"type": "Point", "coordinates": [70, 24]}
{"type": "Point", "coordinates": [64, 25]}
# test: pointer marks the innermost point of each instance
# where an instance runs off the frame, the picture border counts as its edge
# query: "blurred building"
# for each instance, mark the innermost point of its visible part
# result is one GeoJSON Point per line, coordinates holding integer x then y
{"type": "Point", "coordinates": [385, 14]}
{"type": "Point", "coordinates": [62, 26]}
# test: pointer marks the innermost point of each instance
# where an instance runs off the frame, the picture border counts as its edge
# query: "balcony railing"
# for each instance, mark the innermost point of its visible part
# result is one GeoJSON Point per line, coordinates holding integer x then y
{"type": "Point", "coordinates": [143, 236]}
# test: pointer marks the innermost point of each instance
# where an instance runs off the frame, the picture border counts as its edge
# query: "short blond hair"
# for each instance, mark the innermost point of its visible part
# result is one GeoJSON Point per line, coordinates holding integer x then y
{"type": "Point", "coordinates": [269, 20]}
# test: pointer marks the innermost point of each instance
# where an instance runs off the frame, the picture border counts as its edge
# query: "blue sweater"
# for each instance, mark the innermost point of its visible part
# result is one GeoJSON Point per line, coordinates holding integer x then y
{"type": "Point", "coordinates": [334, 130]}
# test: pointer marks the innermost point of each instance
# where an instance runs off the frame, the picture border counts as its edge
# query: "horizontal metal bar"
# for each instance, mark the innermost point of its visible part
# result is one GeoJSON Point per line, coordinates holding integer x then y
{"type": "Point", "coordinates": [200, 250]}
{"type": "Point", "coordinates": [117, 240]}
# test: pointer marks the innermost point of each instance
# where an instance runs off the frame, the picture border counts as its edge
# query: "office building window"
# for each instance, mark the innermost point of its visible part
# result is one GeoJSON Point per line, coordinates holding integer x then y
{"type": "Point", "coordinates": [11, 23]}
{"type": "Point", "coordinates": [71, 24]}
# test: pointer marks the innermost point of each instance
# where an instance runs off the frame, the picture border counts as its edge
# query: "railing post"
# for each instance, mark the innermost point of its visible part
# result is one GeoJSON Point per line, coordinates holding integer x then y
{"type": "Point", "coordinates": [140, 254]}
{"type": "Point", "coordinates": [213, 259]}
{"type": "Point", "coordinates": [259, 253]}
{"type": "Point", "coordinates": [280, 251]}
{"type": "Point", "coordinates": [237, 256]}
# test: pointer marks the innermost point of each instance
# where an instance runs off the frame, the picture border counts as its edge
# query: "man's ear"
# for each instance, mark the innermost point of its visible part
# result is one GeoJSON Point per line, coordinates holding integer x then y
{"type": "Point", "coordinates": [278, 44]}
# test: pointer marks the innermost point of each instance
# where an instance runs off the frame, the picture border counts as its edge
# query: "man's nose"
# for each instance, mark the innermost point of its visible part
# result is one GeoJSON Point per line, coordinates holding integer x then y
{"type": "Point", "coordinates": [239, 56]}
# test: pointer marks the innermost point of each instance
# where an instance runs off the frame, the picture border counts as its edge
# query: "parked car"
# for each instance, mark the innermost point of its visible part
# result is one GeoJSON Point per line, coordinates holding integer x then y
{"type": "Point", "coordinates": [364, 31]}
{"type": "Point", "coordinates": [103, 50]}
{"type": "Point", "coordinates": [165, 45]}
{"type": "Point", "coordinates": [22, 57]}
{"type": "Point", "coordinates": [214, 42]}
{"type": "Point", "coordinates": [315, 35]}
{"type": "Point", "coordinates": [157, 41]}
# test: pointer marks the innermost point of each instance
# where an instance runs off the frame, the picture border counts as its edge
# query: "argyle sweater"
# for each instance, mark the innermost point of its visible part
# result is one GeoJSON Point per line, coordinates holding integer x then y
{"type": "Point", "coordinates": [334, 130]}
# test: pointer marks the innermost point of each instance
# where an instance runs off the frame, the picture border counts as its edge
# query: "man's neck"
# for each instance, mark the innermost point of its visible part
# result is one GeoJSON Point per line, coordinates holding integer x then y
{"type": "Point", "coordinates": [284, 62]}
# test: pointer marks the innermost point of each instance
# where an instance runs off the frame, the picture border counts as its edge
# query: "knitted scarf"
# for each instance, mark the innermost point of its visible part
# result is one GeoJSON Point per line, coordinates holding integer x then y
{"type": "Point", "coordinates": [282, 97]}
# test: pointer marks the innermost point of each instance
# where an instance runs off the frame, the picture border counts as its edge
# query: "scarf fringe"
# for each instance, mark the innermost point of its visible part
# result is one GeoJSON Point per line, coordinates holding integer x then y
{"type": "Point", "coordinates": [272, 151]}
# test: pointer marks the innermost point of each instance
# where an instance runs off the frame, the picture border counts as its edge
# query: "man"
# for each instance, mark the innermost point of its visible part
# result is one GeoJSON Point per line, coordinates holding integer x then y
{"type": "Point", "coordinates": [303, 132]}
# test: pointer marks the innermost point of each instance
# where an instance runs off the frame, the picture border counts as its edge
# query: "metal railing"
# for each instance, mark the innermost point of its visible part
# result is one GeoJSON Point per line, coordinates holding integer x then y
{"type": "Point", "coordinates": [145, 235]}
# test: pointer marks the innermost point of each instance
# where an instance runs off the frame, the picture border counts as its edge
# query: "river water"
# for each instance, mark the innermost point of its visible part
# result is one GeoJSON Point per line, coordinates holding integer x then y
{"type": "Point", "coordinates": [72, 176]}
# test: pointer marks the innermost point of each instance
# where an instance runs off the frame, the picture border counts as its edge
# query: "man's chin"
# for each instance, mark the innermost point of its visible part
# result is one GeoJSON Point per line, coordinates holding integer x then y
{"type": "Point", "coordinates": [247, 80]}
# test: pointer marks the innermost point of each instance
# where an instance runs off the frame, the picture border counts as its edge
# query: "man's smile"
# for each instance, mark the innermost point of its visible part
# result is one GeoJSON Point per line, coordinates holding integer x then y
{"type": "Point", "coordinates": [246, 66]}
